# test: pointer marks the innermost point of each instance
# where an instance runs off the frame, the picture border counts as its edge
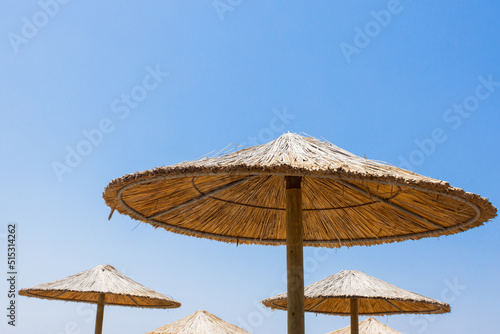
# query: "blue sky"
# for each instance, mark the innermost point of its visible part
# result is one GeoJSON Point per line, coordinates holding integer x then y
{"type": "Point", "coordinates": [162, 82]}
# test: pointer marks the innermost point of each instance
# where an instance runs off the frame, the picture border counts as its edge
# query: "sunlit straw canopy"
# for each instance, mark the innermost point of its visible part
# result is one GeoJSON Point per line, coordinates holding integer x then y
{"type": "Point", "coordinates": [104, 279]}
{"type": "Point", "coordinates": [332, 295]}
{"type": "Point", "coordinates": [347, 200]}
{"type": "Point", "coordinates": [368, 326]}
{"type": "Point", "coordinates": [200, 322]}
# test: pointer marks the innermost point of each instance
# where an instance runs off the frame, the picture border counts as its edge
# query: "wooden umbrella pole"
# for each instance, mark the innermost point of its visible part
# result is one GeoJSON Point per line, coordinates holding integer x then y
{"type": "Point", "coordinates": [100, 313]}
{"type": "Point", "coordinates": [354, 316]}
{"type": "Point", "coordinates": [294, 255]}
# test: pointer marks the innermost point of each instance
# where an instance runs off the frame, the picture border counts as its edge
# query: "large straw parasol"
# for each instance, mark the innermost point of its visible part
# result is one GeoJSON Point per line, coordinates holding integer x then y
{"type": "Point", "coordinates": [102, 285]}
{"type": "Point", "coordinates": [352, 292]}
{"type": "Point", "coordinates": [200, 322]}
{"type": "Point", "coordinates": [368, 326]}
{"type": "Point", "coordinates": [297, 191]}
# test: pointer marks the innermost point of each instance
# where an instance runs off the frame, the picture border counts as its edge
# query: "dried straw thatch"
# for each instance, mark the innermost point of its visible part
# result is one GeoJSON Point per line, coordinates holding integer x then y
{"type": "Point", "coordinates": [200, 322]}
{"type": "Point", "coordinates": [88, 285]}
{"type": "Point", "coordinates": [332, 295]}
{"type": "Point", "coordinates": [347, 200]}
{"type": "Point", "coordinates": [368, 326]}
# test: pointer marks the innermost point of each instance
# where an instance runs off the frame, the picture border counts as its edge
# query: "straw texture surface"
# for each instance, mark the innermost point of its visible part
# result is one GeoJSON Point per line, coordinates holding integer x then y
{"type": "Point", "coordinates": [368, 326]}
{"type": "Point", "coordinates": [347, 200]}
{"type": "Point", "coordinates": [87, 285]}
{"type": "Point", "coordinates": [332, 294]}
{"type": "Point", "coordinates": [200, 322]}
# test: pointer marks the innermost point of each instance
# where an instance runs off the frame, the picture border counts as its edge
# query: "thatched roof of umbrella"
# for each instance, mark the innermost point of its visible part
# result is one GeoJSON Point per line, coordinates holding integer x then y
{"type": "Point", "coordinates": [102, 285]}
{"type": "Point", "coordinates": [200, 322]}
{"type": "Point", "coordinates": [332, 295]}
{"type": "Point", "coordinates": [368, 326]}
{"type": "Point", "coordinates": [103, 279]}
{"type": "Point", "coordinates": [347, 200]}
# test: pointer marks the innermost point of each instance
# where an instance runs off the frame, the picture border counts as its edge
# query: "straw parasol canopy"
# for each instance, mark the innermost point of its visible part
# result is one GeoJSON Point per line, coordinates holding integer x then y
{"type": "Point", "coordinates": [200, 322]}
{"type": "Point", "coordinates": [332, 295]}
{"type": "Point", "coordinates": [299, 191]}
{"type": "Point", "coordinates": [368, 326]}
{"type": "Point", "coordinates": [347, 200]}
{"type": "Point", "coordinates": [352, 292]}
{"type": "Point", "coordinates": [102, 285]}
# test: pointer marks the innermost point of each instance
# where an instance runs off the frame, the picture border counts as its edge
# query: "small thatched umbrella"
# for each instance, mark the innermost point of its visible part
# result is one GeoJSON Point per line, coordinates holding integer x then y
{"type": "Point", "coordinates": [352, 292]}
{"type": "Point", "coordinates": [102, 285]}
{"type": "Point", "coordinates": [296, 191]}
{"type": "Point", "coordinates": [200, 322]}
{"type": "Point", "coordinates": [368, 326]}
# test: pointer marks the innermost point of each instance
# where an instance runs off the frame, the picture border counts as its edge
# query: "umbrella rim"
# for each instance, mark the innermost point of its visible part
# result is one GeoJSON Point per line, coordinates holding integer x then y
{"type": "Point", "coordinates": [447, 191]}
{"type": "Point", "coordinates": [443, 307]}
{"type": "Point", "coordinates": [29, 293]}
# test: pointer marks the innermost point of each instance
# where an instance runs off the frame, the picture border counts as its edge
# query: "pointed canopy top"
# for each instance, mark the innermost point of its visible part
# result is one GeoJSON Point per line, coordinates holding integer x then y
{"type": "Point", "coordinates": [289, 154]}
{"type": "Point", "coordinates": [368, 326]}
{"type": "Point", "coordinates": [331, 295]}
{"type": "Point", "coordinates": [200, 322]}
{"type": "Point", "coordinates": [103, 279]}
{"type": "Point", "coordinates": [347, 200]}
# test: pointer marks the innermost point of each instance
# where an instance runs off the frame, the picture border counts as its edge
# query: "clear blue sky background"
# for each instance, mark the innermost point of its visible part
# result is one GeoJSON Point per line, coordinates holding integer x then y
{"type": "Point", "coordinates": [230, 74]}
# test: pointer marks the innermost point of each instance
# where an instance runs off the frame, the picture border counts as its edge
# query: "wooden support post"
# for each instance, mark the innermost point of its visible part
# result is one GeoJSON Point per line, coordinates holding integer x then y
{"type": "Point", "coordinates": [100, 313]}
{"type": "Point", "coordinates": [294, 255]}
{"type": "Point", "coordinates": [354, 316]}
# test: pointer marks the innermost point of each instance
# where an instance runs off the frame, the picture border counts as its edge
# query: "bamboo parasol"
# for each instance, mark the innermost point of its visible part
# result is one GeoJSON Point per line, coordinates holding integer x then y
{"type": "Point", "coordinates": [200, 322]}
{"type": "Point", "coordinates": [102, 285]}
{"type": "Point", "coordinates": [368, 326]}
{"type": "Point", "coordinates": [297, 191]}
{"type": "Point", "coordinates": [351, 292]}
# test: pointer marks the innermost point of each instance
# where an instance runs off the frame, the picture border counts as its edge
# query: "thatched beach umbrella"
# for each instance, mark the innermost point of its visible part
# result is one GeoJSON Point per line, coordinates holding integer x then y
{"type": "Point", "coordinates": [297, 191]}
{"type": "Point", "coordinates": [200, 322]}
{"type": "Point", "coordinates": [102, 285]}
{"type": "Point", "coordinates": [352, 292]}
{"type": "Point", "coordinates": [368, 326]}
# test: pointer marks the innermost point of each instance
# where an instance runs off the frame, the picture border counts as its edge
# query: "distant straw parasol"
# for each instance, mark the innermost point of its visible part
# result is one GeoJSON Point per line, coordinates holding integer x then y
{"type": "Point", "coordinates": [352, 292]}
{"type": "Point", "coordinates": [297, 191]}
{"type": "Point", "coordinates": [368, 326]}
{"type": "Point", "coordinates": [102, 285]}
{"type": "Point", "coordinates": [200, 322]}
